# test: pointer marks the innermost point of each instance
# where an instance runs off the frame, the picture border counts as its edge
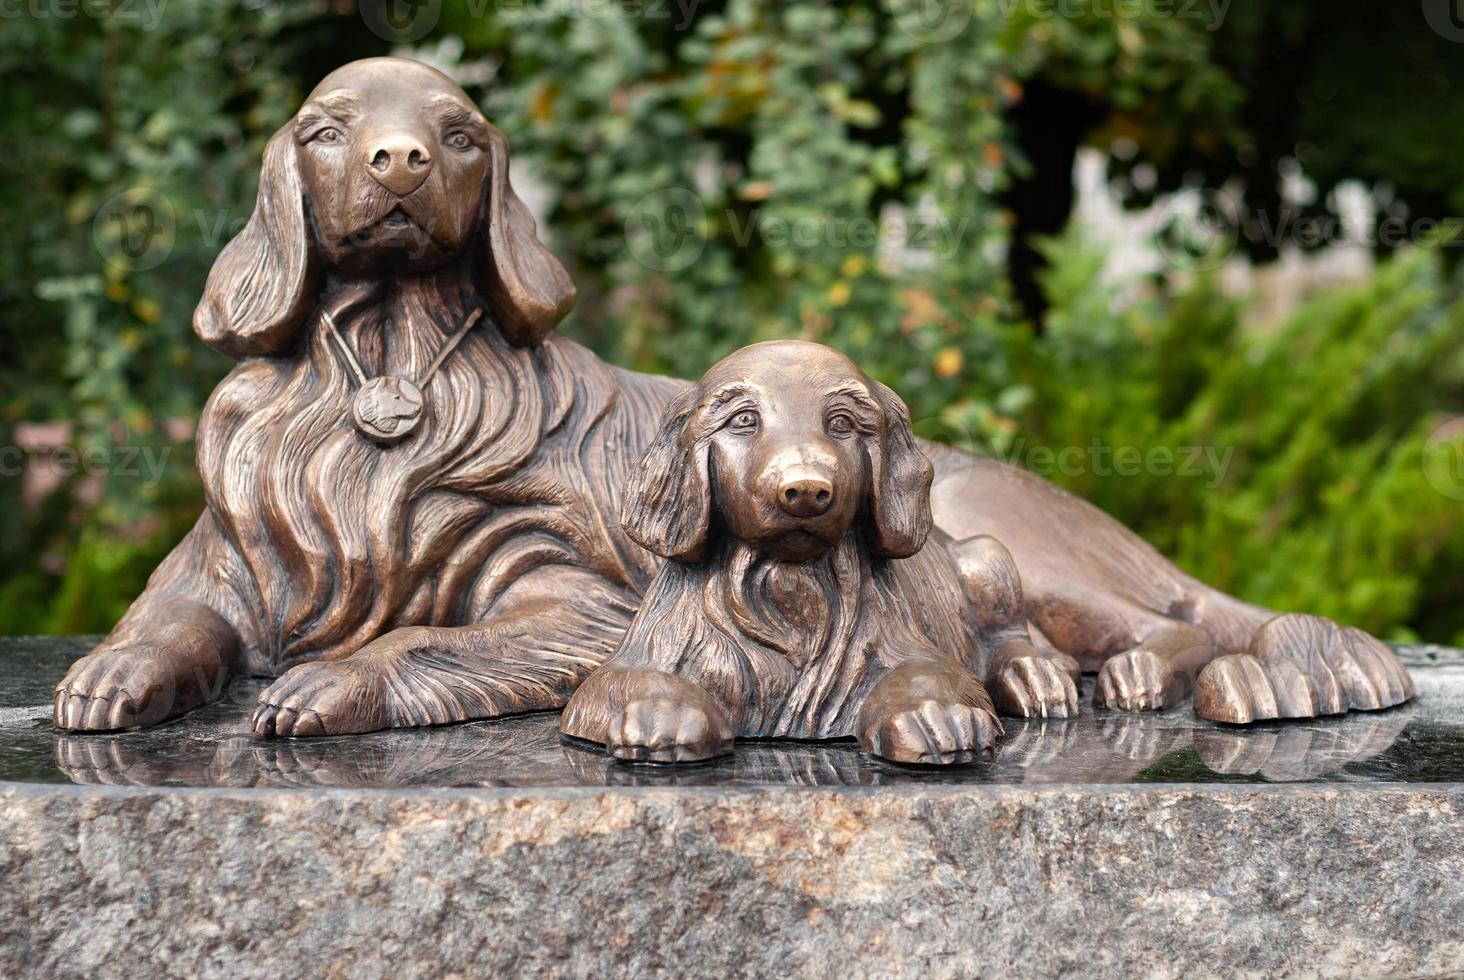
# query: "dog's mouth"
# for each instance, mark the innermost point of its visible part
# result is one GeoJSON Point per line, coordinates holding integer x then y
{"type": "Point", "coordinates": [396, 220]}
{"type": "Point", "coordinates": [396, 226]}
{"type": "Point", "coordinates": [798, 545]}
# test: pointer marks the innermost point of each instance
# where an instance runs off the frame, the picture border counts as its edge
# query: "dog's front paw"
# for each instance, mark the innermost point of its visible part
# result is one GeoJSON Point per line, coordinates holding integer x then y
{"type": "Point", "coordinates": [330, 697]}
{"type": "Point", "coordinates": [668, 730]}
{"type": "Point", "coordinates": [931, 733]}
{"type": "Point", "coordinates": [1037, 687]}
{"type": "Point", "coordinates": [135, 686]}
{"type": "Point", "coordinates": [1139, 680]}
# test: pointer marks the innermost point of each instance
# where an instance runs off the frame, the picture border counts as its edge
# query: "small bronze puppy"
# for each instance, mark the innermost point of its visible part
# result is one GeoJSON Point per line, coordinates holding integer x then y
{"type": "Point", "coordinates": [781, 487]}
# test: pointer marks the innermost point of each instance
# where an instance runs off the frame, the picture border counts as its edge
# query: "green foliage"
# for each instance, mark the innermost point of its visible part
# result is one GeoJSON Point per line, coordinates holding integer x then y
{"type": "Point", "coordinates": [785, 136]}
{"type": "Point", "coordinates": [719, 174]}
{"type": "Point", "coordinates": [1153, 73]}
{"type": "Point", "coordinates": [134, 150]}
{"type": "Point", "coordinates": [1310, 490]}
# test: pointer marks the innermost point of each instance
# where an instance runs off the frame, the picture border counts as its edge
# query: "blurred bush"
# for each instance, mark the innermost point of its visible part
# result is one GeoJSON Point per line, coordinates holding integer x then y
{"type": "Point", "coordinates": [1286, 466]}
{"type": "Point", "coordinates": [134, 148]}
{"type": "Point", "coordinates": [718, 174]}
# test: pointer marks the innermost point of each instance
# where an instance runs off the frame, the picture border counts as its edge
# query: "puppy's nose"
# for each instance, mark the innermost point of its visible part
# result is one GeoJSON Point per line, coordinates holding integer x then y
{"type": "Point", "coordinates": [805, 494]}
{"type": "Point", "coordinates": [399, 163]}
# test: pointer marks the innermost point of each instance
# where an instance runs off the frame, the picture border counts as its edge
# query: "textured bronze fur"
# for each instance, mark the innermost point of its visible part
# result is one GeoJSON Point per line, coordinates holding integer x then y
{"type": "Point", "coordinates": [477, 567]}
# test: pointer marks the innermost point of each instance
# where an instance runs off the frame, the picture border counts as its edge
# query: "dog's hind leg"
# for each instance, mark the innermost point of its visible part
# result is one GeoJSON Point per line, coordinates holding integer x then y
{"type": "Point", "coordinates": [531, 656]}
{"type": "Point", "coordinates": [1301, 666]}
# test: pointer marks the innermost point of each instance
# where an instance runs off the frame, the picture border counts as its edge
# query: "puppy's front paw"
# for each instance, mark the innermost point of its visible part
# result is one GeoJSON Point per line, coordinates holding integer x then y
{"type": "Point", "coordinates": [1138, 680]}
{"type": "Point", "coordinates": [667, 730]}
{"type": "Point", "coordinates": [931, 733]}
{"type": "Point", "coordinates": [1037, 687]}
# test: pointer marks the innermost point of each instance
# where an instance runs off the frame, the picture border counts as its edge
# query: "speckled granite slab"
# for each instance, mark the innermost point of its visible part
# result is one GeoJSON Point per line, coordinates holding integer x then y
{"type": "Point", "coordinates": [1111, 845]}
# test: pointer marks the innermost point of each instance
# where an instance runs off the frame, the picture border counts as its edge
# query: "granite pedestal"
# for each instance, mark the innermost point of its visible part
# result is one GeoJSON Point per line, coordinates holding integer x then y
{"type": "Point", "coordinates": [1109, 845]}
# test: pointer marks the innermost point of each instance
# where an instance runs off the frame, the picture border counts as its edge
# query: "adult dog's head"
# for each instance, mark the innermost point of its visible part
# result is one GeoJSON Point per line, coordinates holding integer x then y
{"type": "Point", "coordinates": [784, 446]}
{"type": "Point", "coordinates": [387, 169]}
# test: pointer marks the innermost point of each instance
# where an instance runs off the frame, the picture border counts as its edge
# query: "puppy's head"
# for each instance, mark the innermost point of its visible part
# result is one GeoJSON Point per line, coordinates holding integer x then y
{"type": "Point", "coordinates": [785, 446]}
{"type": "Point", "coordinates": [387, 169]}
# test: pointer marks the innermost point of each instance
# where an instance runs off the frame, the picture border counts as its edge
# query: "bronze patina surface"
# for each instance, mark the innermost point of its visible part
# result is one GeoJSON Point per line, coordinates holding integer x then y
{"type": "Point", "coordinates": [401, 555]}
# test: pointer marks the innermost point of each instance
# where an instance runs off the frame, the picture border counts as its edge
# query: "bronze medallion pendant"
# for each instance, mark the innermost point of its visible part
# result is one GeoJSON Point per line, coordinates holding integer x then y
{"type": "Point", "coordinates": [388, 409]}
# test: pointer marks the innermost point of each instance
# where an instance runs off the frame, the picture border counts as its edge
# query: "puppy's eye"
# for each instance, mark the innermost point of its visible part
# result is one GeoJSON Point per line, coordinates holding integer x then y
{"type": "Point", "coordinates": [458, 141]}
{"type": "Point", "coordinates": [744, 423]}
{"type": "Point", "coordinates": [328, 135]}
{"type": "Point", "coordinates": [840, 424]}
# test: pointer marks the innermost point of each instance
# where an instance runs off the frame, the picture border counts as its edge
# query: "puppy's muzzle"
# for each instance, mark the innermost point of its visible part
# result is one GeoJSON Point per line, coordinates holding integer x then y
{"type": "Point", "coordinates": [803, 492]}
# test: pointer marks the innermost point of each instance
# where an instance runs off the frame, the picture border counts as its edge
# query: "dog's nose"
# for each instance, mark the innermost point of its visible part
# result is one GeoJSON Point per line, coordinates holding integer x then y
{"type": "Point", "coordinates": [805, 495]}
{"type": "Point", "coordinates": [399, 163]}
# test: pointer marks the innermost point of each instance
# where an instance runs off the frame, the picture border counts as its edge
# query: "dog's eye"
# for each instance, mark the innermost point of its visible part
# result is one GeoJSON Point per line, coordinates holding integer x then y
{"type": "Point", "coordinates": [458, 141]}
{"type": "Point", "coordinates": [744, 423]}
{"type": "Point", "coordinates": [841, 424]}
{"type": "Point", "coordinates": [328, 135]}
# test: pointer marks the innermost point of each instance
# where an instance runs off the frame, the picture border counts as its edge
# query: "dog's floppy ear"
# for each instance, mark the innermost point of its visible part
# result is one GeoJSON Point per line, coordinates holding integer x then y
{"type": "Point", "coordinates": [900, 488]}
{"type": "Point", "coordinates": [668, 500]}
{"type": "Point", "coordinates": [527, 288]}
{"type": "Point", "coordinates": [265, 282]}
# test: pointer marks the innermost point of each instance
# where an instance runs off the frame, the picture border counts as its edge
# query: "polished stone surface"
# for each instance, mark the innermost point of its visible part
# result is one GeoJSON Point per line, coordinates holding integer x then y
{"type": "Point", "coordinates": [1108, 846]}
{"type": "Point", "coordinates": [1421, 742]}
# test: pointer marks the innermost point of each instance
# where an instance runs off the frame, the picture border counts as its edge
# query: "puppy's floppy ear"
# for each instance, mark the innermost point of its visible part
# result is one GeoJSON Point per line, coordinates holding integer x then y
{"type": "Point", "coordinates": [668, 498]}
{"type": "Point", "coordinates": [900, 488]}
{"type": "Point", "coordinates": [527, 288]}
{"type": "Point", "coordinates": [265, 282]}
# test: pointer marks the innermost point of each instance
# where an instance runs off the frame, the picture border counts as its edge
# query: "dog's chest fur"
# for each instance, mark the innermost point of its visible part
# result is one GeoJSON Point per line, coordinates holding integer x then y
{"type": "Point", "coordinates": [793, 649]}
{"type": "Point", "coordinates": [338, 539]}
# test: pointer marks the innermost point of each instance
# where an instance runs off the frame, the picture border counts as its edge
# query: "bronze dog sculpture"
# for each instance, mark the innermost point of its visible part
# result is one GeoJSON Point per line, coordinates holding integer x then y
{"type": "Point", "coordinates": [789, 493]}
{"type": "Point", "coordinates": [410, 515]}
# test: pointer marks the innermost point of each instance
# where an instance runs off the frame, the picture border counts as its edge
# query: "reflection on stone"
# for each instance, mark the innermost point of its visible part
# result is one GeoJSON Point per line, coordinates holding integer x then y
{"type": "Point", "coordinates": [1294, 753]}
{"type": "Point", "coordinates": [1106, 748]}
{"type": "Point", "coordinates": [1032, 743]}
{"type": "Point", "coordinates": [755, 763]}
{"type": "Point", "coordinates": [213, 747]}
{"type": "Point", "coordinates": [112, 761]}
{"type": "Point", "coordinates": [1141, 738]}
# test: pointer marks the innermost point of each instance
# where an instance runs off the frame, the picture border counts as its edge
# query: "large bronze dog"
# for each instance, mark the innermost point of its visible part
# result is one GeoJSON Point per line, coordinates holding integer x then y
{"type": "Point", "coordinates": [801, 599]}
{"type": "Point", "coordinates": [412, 516]}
